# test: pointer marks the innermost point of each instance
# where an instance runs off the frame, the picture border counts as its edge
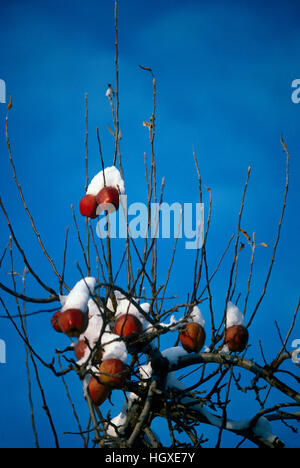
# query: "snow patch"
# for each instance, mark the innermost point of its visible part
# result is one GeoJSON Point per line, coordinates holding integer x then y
{"type": "Point", "coordinates": [113, 347]}
{"type": "Point", "coordinates": [234, 316]}
{"type": "Point", "coordinates": [112, 179]}
{"type": "Point", "coordinates": [79, 296]}
{"type": "Point", "coordinates": [118, 424]}
{"type": "Point", "coordinates": [174, 354]}
{"type": "Point", "coordinates": [145, 371]}
{"type": "Point", "coordinates": [196, 316]}
{"type": "Point", "coordinates": [263, 430]}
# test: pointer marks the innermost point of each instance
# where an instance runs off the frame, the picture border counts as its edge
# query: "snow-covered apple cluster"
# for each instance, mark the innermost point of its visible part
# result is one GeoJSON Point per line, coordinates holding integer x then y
{"type": "Point", "coordinates": [103, 193]}
{"type": "Point", "coordinates": [101, 347]}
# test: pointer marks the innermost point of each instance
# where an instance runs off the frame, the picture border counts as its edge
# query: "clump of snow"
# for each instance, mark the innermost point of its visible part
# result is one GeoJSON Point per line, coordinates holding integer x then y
{"type": "Point", "coordinates": [173, 324]}
{"type": "Point", "coordinates": [224, 350]}
{"type": "Point", "coordinates": [118, 424]}
{"type": "Point", "coordinates": [79, 296]}
{"type": "Point", "coordinates": [87, 378]}
{"type": "Point", "coordinates": [91, 336]}
{"type": "Point", "coordinates": [146, 307]}
{"type": "Point", "coordinates": [145, 371]}
{"type": "Point", "coordinates": [173, 382]}
{"type": "Point", "coordinates": [113, 347]}
{"type": "Point", "coordinates": [109, 92]}
{"type": "Point", "coordinates": [174, 354]}
{"type": "Point", "coordinates": [112, 179]}
{"type": "Point", "coordinates": [118, 296]}
{"type": "Point", "coordinates": [92, 333]}
{"type": "Point", "coordinates": [234, 316]}
{"type": "Point", "coordinates": [196, 316]}
{"type": "Point", "coordinates": [263, 430]}
{"type": "Point", "coordinates": [85, 384]}
{"type": "Point", "coordinates": [126, 307]}
{"type": "Point", "coordinates": [63, 299]}
{"type": "Point", "coordinates": [94, 308]}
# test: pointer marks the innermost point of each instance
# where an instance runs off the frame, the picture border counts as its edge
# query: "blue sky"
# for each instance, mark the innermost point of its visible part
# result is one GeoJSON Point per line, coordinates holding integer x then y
{"type": "Point", "coordinates": [224, 71]}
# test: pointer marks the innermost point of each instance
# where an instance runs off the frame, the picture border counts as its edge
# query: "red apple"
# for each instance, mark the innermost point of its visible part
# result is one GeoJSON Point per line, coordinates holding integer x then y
{"type": "Point", "coordinates": [54, 322]}
{"type": "Point", "coordinates": [192, 337]}
{"type": "Point", "coordinates": [127, 324]}
{"type": "Point", "coordinates": [88, 206]}
{"type": "Point", "coordinates": [236, 338]}
{"type": "Point", "coordinates": [113, 373]}
{"type": "Point", "coordinates": [108, 199]}
{"type": "Point", "coordinates": [98, 392]}
{"type": "Point", "coordinates": [73, 322]}
{"type": "Point", "coordinates": [79, 351]}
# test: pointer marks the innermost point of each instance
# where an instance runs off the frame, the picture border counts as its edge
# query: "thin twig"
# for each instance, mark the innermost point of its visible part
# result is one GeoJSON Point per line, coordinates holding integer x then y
{"type": "Point", "coordinates": [278, 234]}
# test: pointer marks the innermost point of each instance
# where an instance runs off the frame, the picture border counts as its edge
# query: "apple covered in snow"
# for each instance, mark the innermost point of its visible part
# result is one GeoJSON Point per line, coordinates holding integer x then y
{"type": "Point", "coordinates": [113, 372]}
{"type": "Point", "coordinates": [72, 322]}
{"type": "Point", "coordinates": [81, 349]}
{"type": "Point", "coordinates": [128, 317]}
{"type": "Point", "coordinates": [236, 334]}
{"type": "Point", "coordinates": [103, 193]}
{"type": "Point", "coordinates": [98, 392]}
{"type": "Point", "coordinates": [192, 335]}
{"type": "Point", "coordinates": [236, 338]}
{"type": "Point", "coordinates": [108, 199]}
{"type": "Point", "coordinates": [127, 325]}
{"type": "Point", "coordinates": [73, 319]}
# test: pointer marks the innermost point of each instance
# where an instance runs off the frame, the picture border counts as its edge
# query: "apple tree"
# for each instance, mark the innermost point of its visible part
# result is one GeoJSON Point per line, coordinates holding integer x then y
{"type": "Point", "coordinates": [130, 331]}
